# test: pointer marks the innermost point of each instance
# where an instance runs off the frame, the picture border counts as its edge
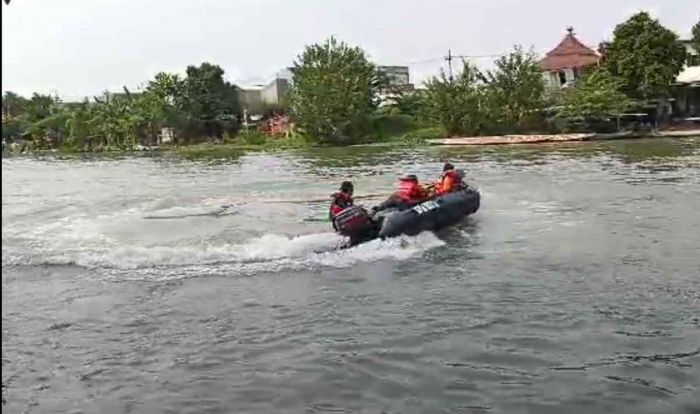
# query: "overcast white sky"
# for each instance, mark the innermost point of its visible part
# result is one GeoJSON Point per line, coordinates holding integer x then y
{"type": "Point", "coordinates": [82, 47]}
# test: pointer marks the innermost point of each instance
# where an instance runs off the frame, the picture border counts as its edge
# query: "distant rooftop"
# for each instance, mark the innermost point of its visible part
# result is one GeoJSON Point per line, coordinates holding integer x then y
{"type": "Point", "coordinates": [689, 76]}
{"type": "Point", "coordinates": [256, 87]}
{"type": "Point", "coordinates": [570, 53]}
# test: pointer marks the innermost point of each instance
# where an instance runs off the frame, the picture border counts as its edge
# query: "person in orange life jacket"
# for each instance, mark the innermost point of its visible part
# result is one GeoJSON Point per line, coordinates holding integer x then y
{"type": "Point", "coordinates": [340, 201]}
{"type": "Point", "coordinates": [409, 194]}
{"type": "Point", "coordinates": [450, 180]}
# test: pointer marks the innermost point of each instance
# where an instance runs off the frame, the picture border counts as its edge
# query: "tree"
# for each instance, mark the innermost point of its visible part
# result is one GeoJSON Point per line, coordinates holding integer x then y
{"type": "Point", "coordinates": [695, 37]}
{"type": "Point", "coordinates": [515, 91]}
{"type": "Point", "coordinates": [335, 89]}
{"type": "Point", "coordinates": [42, 120]}
{"type": "Point", "coordinates": [13, 104]}
{"type": "Point", "coordinates": [646, 56]}
{"type": "Point", "coordinates": [40, 106]}
{"type": "Point", "coordinates": [167, 86]}
{"type": "Point", "coordinates": [11, 127]}
{"type": "Point", "coordinates": [12, 108]}
{"type": "Point", "coordinates": [408, 103]}
{"type": "Point", "coordinates": [597, 96]}
{"type": "Point", "coordinates": [457, 104]}
{"type": "Point", "coordinates": [79, 125]}
{"type": "Point", "coordinates": [210, 104]}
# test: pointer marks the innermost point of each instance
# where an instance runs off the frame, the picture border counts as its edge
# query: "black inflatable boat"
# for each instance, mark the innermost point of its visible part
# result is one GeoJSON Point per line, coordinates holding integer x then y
{"type": "Point", "coordinates": [431, 215]}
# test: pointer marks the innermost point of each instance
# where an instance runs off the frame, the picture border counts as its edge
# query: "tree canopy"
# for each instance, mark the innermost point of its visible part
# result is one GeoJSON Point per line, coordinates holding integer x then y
{"type": "Point", "coordinates": [503, 100]}
{"type": "Point", "coordinates": [210, 102]}
{"type": "Point", "coordinates": [335, 89]}
{"type": "Point", "coordinates": [597, 95]}
{"type": "Point", "coordinates": [457, 104]}
{"type": "Point", "coordinates": [200, 105]}
{"type": "Point", "coordinates": [515, 90]}
{"type": "Point", "coordinates": [646, 56]}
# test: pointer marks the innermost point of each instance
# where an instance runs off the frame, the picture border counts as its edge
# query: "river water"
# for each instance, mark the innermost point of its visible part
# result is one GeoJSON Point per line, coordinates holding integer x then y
{"type": "Point", "coordinates": [159, 284]}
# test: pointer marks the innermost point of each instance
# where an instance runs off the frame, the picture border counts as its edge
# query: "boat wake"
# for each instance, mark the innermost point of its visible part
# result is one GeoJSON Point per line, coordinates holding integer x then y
{"type": "Point", "coordinates": [156, 240]}
{"type": "Point", "coordinates": [186, 212]}
{"type": "Point", "coordinates": [269, 253]}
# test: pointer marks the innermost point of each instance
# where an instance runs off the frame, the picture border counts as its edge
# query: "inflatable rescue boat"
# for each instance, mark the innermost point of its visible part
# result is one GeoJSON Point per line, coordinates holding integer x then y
{"type": "Point", "coordinates": [431, 215]}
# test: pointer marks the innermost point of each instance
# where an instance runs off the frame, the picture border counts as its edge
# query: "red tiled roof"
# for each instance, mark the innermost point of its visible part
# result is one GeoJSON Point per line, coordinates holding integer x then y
{"type": "Point", "coordinates": [568, 54]}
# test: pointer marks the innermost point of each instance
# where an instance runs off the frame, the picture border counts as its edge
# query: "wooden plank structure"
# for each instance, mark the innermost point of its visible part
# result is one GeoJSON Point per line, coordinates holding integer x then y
{"type": "Point", "coordinates": [511, 139]}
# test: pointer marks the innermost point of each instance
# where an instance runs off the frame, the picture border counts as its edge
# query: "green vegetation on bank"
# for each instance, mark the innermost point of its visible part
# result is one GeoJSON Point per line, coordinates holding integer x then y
{"type": "Point", "coordinates": [255, 141]}
{"type": "Point", "coordinates": [339, 97]}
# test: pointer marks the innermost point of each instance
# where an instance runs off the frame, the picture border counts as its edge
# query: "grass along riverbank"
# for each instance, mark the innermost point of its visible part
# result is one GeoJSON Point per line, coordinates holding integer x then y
{"type": "Point", "coordinates": [256, 142]}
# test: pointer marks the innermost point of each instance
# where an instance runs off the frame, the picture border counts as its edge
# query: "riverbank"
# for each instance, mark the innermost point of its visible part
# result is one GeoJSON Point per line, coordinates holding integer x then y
{"type": "Point", "coordinates": [550, 138]}
{"type": "Point", "coordinates": [264, 143]}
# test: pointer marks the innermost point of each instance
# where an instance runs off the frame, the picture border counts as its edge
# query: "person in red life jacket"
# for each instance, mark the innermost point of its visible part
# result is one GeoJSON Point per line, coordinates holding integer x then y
{"type": "Point", "coordinates": [450, 180]}
{"type": "Point", "coordinates": [409, 194]}
{"type": "Point", "coordinates": [340, 201]}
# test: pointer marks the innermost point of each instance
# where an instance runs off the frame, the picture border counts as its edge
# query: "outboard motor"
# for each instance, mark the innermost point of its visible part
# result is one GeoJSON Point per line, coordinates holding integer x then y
{"type": "Point", "coordinates": [352, 221]}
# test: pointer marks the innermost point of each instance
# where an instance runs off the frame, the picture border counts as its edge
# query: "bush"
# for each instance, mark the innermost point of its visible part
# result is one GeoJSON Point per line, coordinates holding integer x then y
{"type": "Point", "coordinates": [504, 100]}
{"type": "Point", "coordinates": [457, 104]}
{"type": "Point", "coordinates": [254, 138]}
{"type": "Point", "coordinates": [419, 136]}
{"type": "Point", "coordinates": [593, 103]}
{"type": "Point", "coordinates": [387, 126]}
{"type": "Point", "coordinates": [593, 124]}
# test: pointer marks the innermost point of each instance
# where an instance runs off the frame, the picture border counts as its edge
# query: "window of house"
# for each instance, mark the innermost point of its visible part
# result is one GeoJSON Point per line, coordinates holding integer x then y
{"type": "Point", "coordinates": [562, 77]}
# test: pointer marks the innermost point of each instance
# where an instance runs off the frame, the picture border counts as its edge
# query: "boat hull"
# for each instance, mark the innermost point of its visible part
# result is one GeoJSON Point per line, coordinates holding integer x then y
{"type": "Point", "coordinates": [432, 215]}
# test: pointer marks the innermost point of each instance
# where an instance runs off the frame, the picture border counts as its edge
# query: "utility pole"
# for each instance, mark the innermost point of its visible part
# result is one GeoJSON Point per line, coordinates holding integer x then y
{"type": "Point", "coordinates": [448, 58]}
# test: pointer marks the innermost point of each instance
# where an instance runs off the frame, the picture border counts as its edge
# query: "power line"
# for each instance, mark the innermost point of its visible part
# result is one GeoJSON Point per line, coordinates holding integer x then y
{"type": "Point", "coordinates": [476, 56]}
{"type": "Point", "coordinates": [415, 62]}
{"type": "Point", "coordinates": [434, 59]}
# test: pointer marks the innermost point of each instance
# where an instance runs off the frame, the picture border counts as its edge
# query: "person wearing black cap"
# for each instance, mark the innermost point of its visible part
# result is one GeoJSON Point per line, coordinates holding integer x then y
{"type": "Point", "coordinates": [409, 194]}
{"type": "Point", "coordinates": [341, 200]}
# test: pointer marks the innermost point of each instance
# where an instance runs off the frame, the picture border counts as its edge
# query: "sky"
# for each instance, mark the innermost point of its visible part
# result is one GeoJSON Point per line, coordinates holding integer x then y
{"type": "Point", "coordinates": [76, 48]}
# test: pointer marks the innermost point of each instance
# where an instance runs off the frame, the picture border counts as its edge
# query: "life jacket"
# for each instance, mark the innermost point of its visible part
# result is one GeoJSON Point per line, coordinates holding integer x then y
{"type": "Point", "coordinates": [410, 191]}
{"type": "Point", "coordinates": [339, 202]}
{"type": "Point", "coordinates": [449, 181]}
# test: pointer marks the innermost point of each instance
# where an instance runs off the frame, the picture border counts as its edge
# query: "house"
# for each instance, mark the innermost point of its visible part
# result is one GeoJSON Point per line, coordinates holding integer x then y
{"type": "Point", "coordinates": [564, 64]}
{"type": "Point", "coordinates": [254, 98]}
{"type": "Point", "coordinates": [686, 89]}
{"type": "Point", "coordinates": [397, 78]}
{"type": "Point", "coordinates": [250, 98]}
{"type": "Point", "coordinates": [275, 92]}
{"type": "Point", "coordinates": [398, 83]}
{"type": "Point", "coordinates": [686, 94]}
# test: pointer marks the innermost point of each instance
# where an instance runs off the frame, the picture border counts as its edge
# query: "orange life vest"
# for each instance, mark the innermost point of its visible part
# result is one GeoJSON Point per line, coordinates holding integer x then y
{"type": "Point", "coordinates": [449, 181]}
{"type": "Point", "coordinates": [411, 191]}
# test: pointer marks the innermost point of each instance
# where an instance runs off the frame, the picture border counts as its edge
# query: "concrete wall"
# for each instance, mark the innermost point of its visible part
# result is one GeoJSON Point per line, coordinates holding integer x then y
{"type": "Point", "coordinates": [275, 92]}
{"type": "Point", "coordinates": [251, 100]}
